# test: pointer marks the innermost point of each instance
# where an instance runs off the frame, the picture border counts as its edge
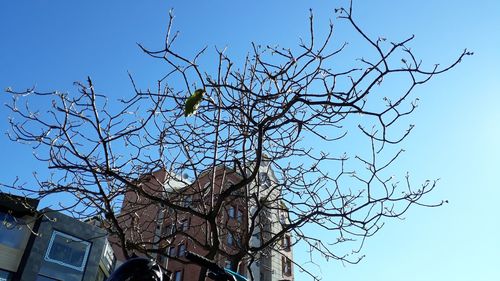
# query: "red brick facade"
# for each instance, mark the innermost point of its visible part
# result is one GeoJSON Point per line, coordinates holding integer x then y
{"type": "Point", "coordinates": [154, 224]}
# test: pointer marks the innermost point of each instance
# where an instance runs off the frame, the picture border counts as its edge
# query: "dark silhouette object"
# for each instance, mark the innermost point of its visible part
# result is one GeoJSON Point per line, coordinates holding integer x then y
{"type": "Point", "coordinates": [215, 272]}
{"type": "Point", "coordinates": [139, 269]}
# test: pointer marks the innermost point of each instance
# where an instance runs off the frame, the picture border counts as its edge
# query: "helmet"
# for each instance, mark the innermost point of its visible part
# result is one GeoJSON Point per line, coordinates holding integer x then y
{"type": "Point", "coordinates": [139, 269]}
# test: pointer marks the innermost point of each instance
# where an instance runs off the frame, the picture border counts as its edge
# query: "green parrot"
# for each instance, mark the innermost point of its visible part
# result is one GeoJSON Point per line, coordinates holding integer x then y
{"type": "Point", "coordinates": [193, 102]}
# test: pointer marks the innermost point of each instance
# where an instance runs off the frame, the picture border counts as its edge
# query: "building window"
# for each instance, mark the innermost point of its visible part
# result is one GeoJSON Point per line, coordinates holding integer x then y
{"type": "Point", "coordinates": [68, 251]}
{"type": "Point", "coordinates": [170, 229]}
{"type": "Point", "coordinates": [231, 212]}
{"type": "Point", "coordinates": [182, 250]}
{"type": "Point", "coordinates": [286, 266]}
{"type": "Point", "coordinates": [171, 252]}
{"type": "Point", "coordinates": [12, 231]}
{"type": "Point", "coordinates": [233, 240]}
{"type": "Point", "coordinates": [109, 258]}
{"type": "Point", "coordinates": [167, 230]}
{"type": "Point", "coordinates": [162, 258]}
{"type": "Point", "coordinates": [177, 275]}
{"type": "Point", "coordinates": [188, 200]}
{"type": "Point", "coordinates": [235, 213]}
{"type": "Point", "coordinates": [282, 218]}
{"type": "Point", "coordinates": [5, 275]}
{"type": "Point", "coordinates": [264, 180]}
{"type": "Point", "coordinates": [239, 215]}
{"type": "Point", "coordinates": [286, 243]}
{"type": "Point", "coordinates": [184, 225]}
{"type": "Point", "coordinates": [206, 190]}
{"type": "Point", "coordinates": [228, 264]}
{"type": "Point", "coordinates": [256, 235]}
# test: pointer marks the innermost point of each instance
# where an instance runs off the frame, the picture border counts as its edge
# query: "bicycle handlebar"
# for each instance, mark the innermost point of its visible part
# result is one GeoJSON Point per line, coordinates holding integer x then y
{"type": "Point", "coordinates": [204, 262]}
{"type": "Point", "coordinates": [215, 272]}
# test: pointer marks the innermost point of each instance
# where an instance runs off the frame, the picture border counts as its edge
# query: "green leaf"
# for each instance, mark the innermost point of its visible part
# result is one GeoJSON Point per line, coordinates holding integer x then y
{"type": "Point", "coordinates": [193, 102]}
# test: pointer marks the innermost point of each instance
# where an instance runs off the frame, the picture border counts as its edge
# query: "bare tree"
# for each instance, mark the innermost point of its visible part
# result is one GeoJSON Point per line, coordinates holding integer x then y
{"type": "Point", "coordinates": [285, 110]}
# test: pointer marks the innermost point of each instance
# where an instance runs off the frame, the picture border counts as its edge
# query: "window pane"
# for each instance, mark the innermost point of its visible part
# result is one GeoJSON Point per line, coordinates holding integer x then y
{"type": "Point", "coordinates": [282, 218]}
{"type": "Point", "coordinates": [182, 250]}
{"type": "Point", "coordinates": [188, 201]}
{"type": "Point", "coordinates": [168, 230]}
{"type": "Point", "coordinates": [171, 252]}
{"type": "Point", "coordinates": [286, 243]}
{"type": "Point", "coordinates": [265, 182]}
{"type": "Point", "coordinates": [5, 275]}
{"type": "Point", "coordinates": [184, 224]}
{"type": "Point", "coordinates": [11, 231]}
{"type": "Point", "coordinates": [240, 215]}
{"type": "Point", "coordinates": [286, 265]}
{"type": "Point", "coordinates": [178, 276]}
{"type": "Point", "coordinates": [68, 251]}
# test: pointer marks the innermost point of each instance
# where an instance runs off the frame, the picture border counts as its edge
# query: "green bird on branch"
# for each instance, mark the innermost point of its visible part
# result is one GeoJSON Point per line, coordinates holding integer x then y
{"type": "Point", "coordinates": [193, 102]}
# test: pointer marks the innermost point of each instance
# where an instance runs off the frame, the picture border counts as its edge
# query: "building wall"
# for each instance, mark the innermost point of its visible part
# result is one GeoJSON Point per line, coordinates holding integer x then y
{"type": "Point", "coordinates": [270, 265]}
{"type": "Point", "coordinates": [37, 264]}
{"type": "Point", "coordinates": [154, 221]}
{"type": "Point", "coordinates": [16, 224]}
{"type": "Point", "coordinates": [198, 229]}
{"type": "Point", "coordinates": [138, 216]}
{"type": "Point", "coordinates": [11, 255]}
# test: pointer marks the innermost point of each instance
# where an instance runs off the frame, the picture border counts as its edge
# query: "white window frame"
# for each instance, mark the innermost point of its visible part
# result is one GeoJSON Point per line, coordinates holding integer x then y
{"type": "Point", "coordinates": [85, 257]}
{"type": "Point", "coordinates": [109, 256]}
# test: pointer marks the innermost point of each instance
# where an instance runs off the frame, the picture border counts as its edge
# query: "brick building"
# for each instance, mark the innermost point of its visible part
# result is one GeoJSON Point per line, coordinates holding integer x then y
{"type": "Point", "coordinates": [173, 233]}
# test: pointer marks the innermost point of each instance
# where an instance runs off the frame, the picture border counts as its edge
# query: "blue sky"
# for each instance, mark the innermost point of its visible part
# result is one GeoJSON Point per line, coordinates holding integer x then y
{"type": "Point", "coordinates": [51, 44]}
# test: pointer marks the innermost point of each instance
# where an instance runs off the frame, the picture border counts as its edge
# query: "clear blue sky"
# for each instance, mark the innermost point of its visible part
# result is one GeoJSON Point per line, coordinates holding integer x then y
{"type": "Point", "coordinates": [50, 44]}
